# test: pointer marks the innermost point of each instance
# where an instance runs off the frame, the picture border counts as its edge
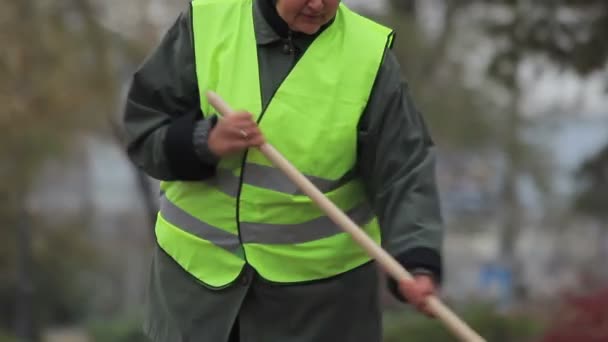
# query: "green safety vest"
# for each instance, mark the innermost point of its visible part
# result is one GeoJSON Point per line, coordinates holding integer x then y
{"type": "Point", "coordinates": [250, 213]}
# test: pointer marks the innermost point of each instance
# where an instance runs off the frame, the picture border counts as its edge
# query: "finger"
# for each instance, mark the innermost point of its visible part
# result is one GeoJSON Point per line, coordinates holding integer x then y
{"type": "Point", "coordinates": [249, 126]}
{"type": "Point", "coordinates": [236, 133]}
{"type": "Point", "coordinates": [251, 129]}
{"type": "Point", "coordinates": [239, 145]}
{"type": "Point", "coordinates": [426, 286]}
{"type": "Point", "coordinates": [408, 286]}
{"type": "Point", "coordinates": [241, 117]}
{"type": "Point", "coordinates": [256, 140]}
{"type": "Point", "coordinates": [426, 290]}
{"type": "Point", "coordinates": [242, 113]}
{"type": "Point", "coordinates": [419, 301]}
{"type": "Point", "coordinates": [424, 279]}
{"type": "Point", "coordinates": [254, 135]}
{"type": "Point", "coordinates": [426, 310]}
{"type": "Point", "coordinates": [407, 289]}
{"type": "Point", "coordinates": [244, 134]}
{"type": "Point", "coordinates": [254, 130]}
{"type": "Point", "coordinates": [243, 121]}
{"type": "Point", "coordinates": [421, 291]}
{"type": "Point", "coordinates": [414, 298]}
{"type": "Point", "coordinates": [235, 121]}
{"type": "Point", "coordinates": [229, 131]}
{"type": "Point", "coordinates": [422, 296]}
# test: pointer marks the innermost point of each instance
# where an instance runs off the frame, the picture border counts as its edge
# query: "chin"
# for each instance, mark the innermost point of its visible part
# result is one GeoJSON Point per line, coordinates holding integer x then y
{"type": "Point", "coordinates": [309, 29]}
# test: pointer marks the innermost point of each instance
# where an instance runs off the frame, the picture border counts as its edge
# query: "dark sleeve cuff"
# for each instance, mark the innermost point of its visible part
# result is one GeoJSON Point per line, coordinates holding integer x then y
{"type": "Point", "coordinates": [425, 259]}
{"type": "Point", "coordinates": [200, 140]}
{"type": "Point", "coordinates": [184, 162]}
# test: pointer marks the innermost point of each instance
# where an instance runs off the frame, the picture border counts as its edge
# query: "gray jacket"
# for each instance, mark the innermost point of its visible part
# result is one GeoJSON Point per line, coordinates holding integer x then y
{"type": "Point", "coordinates": [396, 159]}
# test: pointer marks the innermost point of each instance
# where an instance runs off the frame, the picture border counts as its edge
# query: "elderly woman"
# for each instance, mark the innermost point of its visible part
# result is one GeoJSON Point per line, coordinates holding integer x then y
{"type": "Point", "coordinates": [242, 255]}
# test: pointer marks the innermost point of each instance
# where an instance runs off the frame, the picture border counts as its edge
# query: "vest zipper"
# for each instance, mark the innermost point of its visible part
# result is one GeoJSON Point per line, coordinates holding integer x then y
{"type": "Point", "coordinates": [241, 180]}
{"type": "Point", "coordinates": [238, 205]}
{"type": "Point", "coordinates": [289, 48]}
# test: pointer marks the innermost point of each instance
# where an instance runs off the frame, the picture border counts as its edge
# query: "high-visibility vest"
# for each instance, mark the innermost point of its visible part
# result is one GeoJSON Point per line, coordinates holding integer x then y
{"type": "Point", "coordinates": [250, 213]}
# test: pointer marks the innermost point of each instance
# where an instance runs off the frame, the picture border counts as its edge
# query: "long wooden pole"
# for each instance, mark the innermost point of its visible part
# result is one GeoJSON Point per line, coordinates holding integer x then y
{"type": "Point", "coordinates": [385, 260]}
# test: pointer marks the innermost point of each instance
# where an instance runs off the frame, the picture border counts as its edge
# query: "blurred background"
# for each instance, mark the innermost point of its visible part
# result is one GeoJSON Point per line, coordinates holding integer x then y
{"type": "Point", "coordinates": [514, 92]}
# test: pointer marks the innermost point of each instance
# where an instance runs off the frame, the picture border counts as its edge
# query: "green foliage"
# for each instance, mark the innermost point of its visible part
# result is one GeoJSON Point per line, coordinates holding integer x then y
{"type": "Point", "coordinates": [5, 337]}
{"type": "Point", "coordinates": [487, 322]}
{"type": "Point", "coordinates": [120, 329]}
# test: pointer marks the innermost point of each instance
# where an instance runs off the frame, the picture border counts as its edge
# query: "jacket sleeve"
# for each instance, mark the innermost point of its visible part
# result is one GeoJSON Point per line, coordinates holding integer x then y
{"type": "Point", "coordinates": [396, 160]}
{"type": "Point", "coordinates": [165, 130]}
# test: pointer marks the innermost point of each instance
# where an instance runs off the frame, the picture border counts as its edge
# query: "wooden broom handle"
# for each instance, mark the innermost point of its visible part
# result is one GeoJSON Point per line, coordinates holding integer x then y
{"type": "Point", "coordinates": [385, 260]}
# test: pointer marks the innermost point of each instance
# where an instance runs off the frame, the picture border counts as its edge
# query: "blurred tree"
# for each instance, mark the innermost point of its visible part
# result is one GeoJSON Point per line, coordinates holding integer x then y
{"type": "Point", "coordinates": [58, 82]}
{"type": "Point", "coordinates": [568, 33]}
{"type": "Point", "coordinates": [467, 117]}
{"type": "Point", "coordinates": [585, 50]}
{"type": "Point", "coordinates": [405, 6]}
{"type": "Point", "coordinates": [593, 192]}
{"type": "Point", "coordinates": [590, 200]}
{"type": "Point", "coordinates": [458, 120]}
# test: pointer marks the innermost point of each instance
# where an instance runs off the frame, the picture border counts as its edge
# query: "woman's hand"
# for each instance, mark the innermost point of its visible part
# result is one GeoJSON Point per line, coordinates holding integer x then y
{"type": "Point", "coordinates": [417, 291]}
{"type": "Point", "coordinates": [233, 134]}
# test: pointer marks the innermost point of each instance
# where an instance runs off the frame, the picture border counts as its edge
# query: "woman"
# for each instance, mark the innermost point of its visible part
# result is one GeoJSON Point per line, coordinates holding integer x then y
{"type": "Point", "coordinates": [242, 255]}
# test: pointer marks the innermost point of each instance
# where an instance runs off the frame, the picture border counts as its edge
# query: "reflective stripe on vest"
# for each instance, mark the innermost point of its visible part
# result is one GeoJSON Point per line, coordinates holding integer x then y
{"type": "Point", "coordinates": [272, 178]}
{"type": "Point", "coordinates": [262, 233]}
{"type": "Point", "coordinates": [180, 218]}
{"type": "Point", "coordinates": [250, 212]}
